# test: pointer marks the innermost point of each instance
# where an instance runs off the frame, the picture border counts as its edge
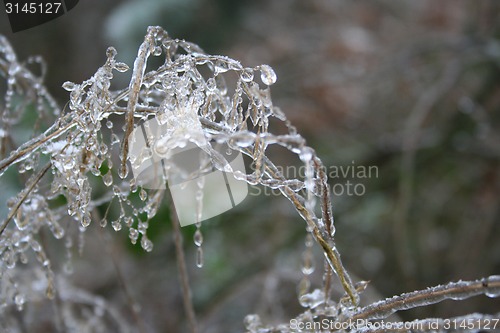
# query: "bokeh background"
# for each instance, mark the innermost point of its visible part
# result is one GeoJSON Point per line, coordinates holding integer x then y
{"type": "Point", "coordinates": [411, 88]}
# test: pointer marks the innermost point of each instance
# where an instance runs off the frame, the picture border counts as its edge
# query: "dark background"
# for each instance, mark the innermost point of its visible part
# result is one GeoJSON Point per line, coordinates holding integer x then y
{"type": "Point", "coordinates": [411, 87]}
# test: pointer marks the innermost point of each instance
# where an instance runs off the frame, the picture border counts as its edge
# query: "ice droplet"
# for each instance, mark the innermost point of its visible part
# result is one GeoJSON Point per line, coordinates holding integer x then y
{"type": "Point", "coordinates": [123, 172]}
{"type": "Point", "coordinates": [211, 85]}
{"type": "Point", "coordinates": [198, 238]}
{"type": "Point", "coordinates": [86, 220]}
{"type": "Point", "coordinates": [143, 194]}
{"type": "Point", "coordinates": [19, 300]}
{"type": "Point", "coordinates": [267, 75]}
{"type": "Point", "coordinates": [116, 225]}
{"type": "Point", "coordinates": [252, 322]}
{"type": "Point", "coordinates": [146, 244]}
{"type": "Point", "coordinates": [128, 221]}
{"type": "Point", "coordinates": [247, 74]}
{"type": "Point", "coordinates": [308, 263]}
{"type": "Point", "coordinates": [199, 257]}
{"type": "Point", "coordinates": [109, 124]}
{"type": "Point", "coordinates": [121, 67]}
{"type": "Point", "coordinates": [69, 86]}
{"type": "Point", "coordinates": [313, 299]}
{"type": "Point", "coordinates": [111, 52]}
{"type": "Point", "coordinates": [221, 67]}
{"type": "Point", "coordinates": [133, 235]}
{"type": "Point", "coordinates": [493, 291]}
{"type": "Point", "coordinates": [107, 179]}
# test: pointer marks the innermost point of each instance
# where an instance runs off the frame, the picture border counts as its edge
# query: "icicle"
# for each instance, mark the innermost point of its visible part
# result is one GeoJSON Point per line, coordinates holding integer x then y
{"type": "Point", "coordinates": [307, 267]}
{"type": "Point", "coordinates": [68, 265]}
{"type": "Point", "coordinates": [306, 156]}
{"type": "Point", "coordinates": [199, 257]}
{"type": "Point", "coordinates": [198, 241]}
{"type": "Point", "coordinates": [198, 236]}
{"type": "Point", "coordinates": [307, 256]}
{"type": "Point", "coordinates": [143, 195]}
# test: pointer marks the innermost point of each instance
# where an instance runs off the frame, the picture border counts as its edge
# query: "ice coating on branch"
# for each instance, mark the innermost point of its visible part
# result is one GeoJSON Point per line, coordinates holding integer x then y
{"type": "Point", "coordinates": [191, 101]}
{"type": "Point", "coordinates": [185, 101]}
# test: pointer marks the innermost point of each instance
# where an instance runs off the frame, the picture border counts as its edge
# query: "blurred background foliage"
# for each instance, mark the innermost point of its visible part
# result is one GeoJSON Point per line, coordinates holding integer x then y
{"type": "Point", "coordinates": [409, 87]}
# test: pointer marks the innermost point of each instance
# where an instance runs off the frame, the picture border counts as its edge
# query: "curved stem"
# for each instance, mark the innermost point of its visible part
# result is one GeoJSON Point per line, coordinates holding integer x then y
{"type": "Point", "coordinates": [454, 290]}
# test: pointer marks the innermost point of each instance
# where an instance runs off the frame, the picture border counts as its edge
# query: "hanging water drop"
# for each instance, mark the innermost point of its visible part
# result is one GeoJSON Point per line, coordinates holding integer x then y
{"type": "Point", "coordinates": [146, 244]}
{"type": "Point", "coordinates": [133, 185]}
{"type": "Point", "coordinates": [133, 235]}
{"type": "Point", "coordinates": [86, 220]}
{"type": "Point", "coordinates": [247, 74]}
{"type": "Point", "coordinates": [121, 67]}
{"type": "Point", "coordinates": [308, 263]}
{"type": "Point", "coordinates": [143, 194]}
{"type": "Point", "coordinates": [198, 237]}
{"type": "Point", "coordinates": [312, 300]}
{"type": "Point", "coordinates": [221, 67]}
{"type": "Point", "coordinates": [267, 75]}
{"type": "Point", "coordinates": [114, 139]}
{"type": "Point", "coordinates": [128, 221]}
{"type": "Point", "coordinates": [211, 85]}
{"type": "Point", "coordinates": [69, 86]}
{"type": "Point", "coordinates": [107, 178]}
{"type": "Point", "coordinates": [19, 300]}
{"type": "Point", "coordinates": [111, 52]}
{"type": "Point", "coordinates": [199, 257]}
{"type": "Point", "coordinates": [116, 225]}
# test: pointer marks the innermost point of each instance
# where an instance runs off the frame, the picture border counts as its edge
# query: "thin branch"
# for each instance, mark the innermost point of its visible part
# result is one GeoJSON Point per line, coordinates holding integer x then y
{"type": "Point", "coordinates": [473, 322]}
{"type": "Point", "coordinates": [454, 290]}
{"type": "Point", "coordinates": [183, 274]}
{"type": "Point", "coordinates": [139, 320]}
{"type": "Point", "coordinates": [24, 194]}
{"type": "Point", "coordinates": [35, 143]}
{"type": "Point", "coordinates": [134, 90]}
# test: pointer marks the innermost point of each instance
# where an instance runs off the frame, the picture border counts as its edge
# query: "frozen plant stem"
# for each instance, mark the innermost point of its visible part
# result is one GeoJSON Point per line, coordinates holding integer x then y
{"type": "Point", "coordinates": [183, 273]}
{"type": "Point", "coordinates": [454, 290]}
{"type": "Point", "coordinates": [24, 195]}
{"type": "Point", "coordinates": [181, 98]}
{"type": "Point", "coordinates": [133, 306]}
{"type": "Point", "coordinates": [134, 90]}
